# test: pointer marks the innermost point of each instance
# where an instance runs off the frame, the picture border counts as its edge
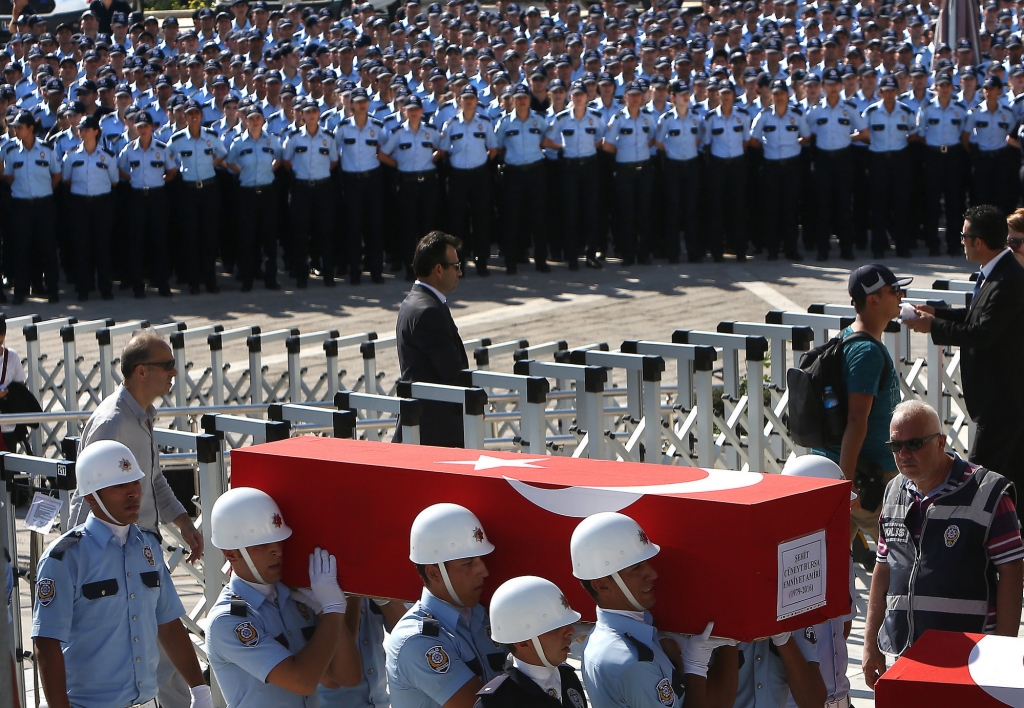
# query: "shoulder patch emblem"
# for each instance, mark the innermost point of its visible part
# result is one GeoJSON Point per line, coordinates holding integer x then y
{"type": "Point", "coordinates": [437, 659]}
{"type": "Point", "coordinates": [810, 636]}
{"type": "Point", "coordinates": [575, 698]}
{"type": "Point", "coordinates": [665, 693]}
{"type": "Point", "coordinates": [247, 634]}
{"type": "Point", "coordinates": [45, 591]}
{"type": "Point", "coordinates": [951, 535]}
{"type": "Point", "coordinates": [303, 610]}
{"type": "Point", "coordinates": [148, 552]}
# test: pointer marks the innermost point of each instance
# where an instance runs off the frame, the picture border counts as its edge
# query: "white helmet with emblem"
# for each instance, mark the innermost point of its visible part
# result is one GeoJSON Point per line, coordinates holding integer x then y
{"type": "Point", "coordinates": [607, 542]}
{"type": "Point", "coordinates": [243, 517]}
{"type": "Point", "coordinates": [105, 463]}
{"type": "Point", "coordinates": [446, 532]}
{"type": "Point", "coordinates": [526, 607]}
{"type": "Point", "coordinates": [815, 466]}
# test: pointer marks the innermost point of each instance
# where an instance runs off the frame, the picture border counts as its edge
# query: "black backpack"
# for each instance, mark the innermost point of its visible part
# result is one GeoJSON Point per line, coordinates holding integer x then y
{"type": "Point", "coordinates": [812, 423]}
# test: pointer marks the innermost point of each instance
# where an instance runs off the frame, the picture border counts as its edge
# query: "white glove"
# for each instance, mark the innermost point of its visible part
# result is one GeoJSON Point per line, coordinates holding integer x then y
{"type": "Point", "coordinates": [698, 648]}
{"type": "Point", "coordinates": [201, 697]}
{"type": "Point", "coordinates": [305, 596]}
{"type": "Point", "coordinates": [781, 638]}
{"type": "Point", "coordinates": [323, 582]}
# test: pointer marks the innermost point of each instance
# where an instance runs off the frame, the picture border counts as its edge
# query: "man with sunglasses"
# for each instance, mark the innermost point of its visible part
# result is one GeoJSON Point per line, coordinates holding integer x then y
{"type": "Point", "coordinates": [127, 416]}
{"type": "Point", "coordinates": [949, 547]}
{"type": "Point", "coordinates": [430, 349]}
{"type": "Point", "coordinates": [990, 334]}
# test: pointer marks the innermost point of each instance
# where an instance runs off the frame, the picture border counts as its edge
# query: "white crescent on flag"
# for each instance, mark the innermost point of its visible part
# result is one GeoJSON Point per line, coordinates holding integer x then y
{"type": "Point", "coordinates": [997, 666]}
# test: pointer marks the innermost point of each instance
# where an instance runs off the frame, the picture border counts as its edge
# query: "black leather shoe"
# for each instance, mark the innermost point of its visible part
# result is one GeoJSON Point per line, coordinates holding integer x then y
{"type": "Point", "coordinates": [543, 267]}
{"type": "Point", "coordinates": [628, 261]}
{"type": "Point", "coordinates": [355, 278]}
{"type": "Point", "coordinates": [212, 288]}
{"type": "Point", "coordinates": [377, 278]}
{"type": "Point", "coordinates": [272, 285]}
{"type": "Point", "coordinates": [794, 255]}
{"type": "Point", "coordinates": [643, 260]}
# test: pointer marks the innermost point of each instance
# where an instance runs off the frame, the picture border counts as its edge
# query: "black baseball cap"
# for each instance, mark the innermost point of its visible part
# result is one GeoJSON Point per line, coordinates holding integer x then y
{"type": "Point", "coordinates": [871, 278]}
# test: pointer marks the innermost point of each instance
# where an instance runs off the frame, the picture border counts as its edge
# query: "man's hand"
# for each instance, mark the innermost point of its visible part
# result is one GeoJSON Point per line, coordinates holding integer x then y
{"type": "Point", "coordinates": [873, 663]}
{"type": "Point", "coordinates": [190, 534]}
{"type": "Point", "coordinates": [923, 322]}
{"type": "Point", "coordinates": [323, 582]}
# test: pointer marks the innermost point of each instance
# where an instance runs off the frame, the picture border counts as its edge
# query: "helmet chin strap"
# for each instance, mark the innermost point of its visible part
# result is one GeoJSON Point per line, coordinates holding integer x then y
{"type": "Point", "coordinates": [252, 567]}
{"type": "Point", "coordinates": [448, 585]}
{"type": "Point", "coordinates": [625, 591]}
{"type": "Point", "coordinates": [99, 502]}
{"type": "Point", "coordinates": [540, 653]}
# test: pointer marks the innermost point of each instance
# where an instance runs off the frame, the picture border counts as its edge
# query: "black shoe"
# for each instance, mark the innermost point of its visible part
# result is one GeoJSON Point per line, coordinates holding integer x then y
{"type": "Point", "coordinates": [83, 297]}
{"type": "Point", "coordinates": [906, 253]}
{"type": "Point", "coordinates": [794, 255]}
{"type": "Point", "coordinates": [165, 291]}
{"type": "Point", "coordinates": [593, 263]}
{"type": "Point", "coordinates": [543, 267]}
{"type": "Point", "coordinates": [246, 287]}
{"type": "Point", "coordinates": [193, 289]}
{"type": "Point", "coordinates": [272, 285]}
{"type": "Point", "coordinates": [574, 264]}
{"type": "Point", "coordinates": [773, 256]}
{"type": "Point", "coordinates": [511, 269]}
{"type": "Point", "coordinates": [53, 299]}
{"type": "Point", "coordinates": [18, 300]}
{"type": "Point", "coordinates": [718, 259]}
{"type": "Point", "coordinates": [377, 278]}
{"type": "Point", "coordinates": [125, 284]}
{"type": "Point", "coordinates": [330, 283]}
{"type": "Point", "coordinates": [212, 288]}
{"type": "Point", "coordinates": [741, 257]}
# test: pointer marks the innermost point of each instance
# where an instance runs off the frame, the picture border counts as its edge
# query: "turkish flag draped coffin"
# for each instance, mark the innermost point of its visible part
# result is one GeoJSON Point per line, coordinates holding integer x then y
{"type": "Point", "coordinates": [953, 670]}
{"type": "Point", "coordinates": [758, 554]}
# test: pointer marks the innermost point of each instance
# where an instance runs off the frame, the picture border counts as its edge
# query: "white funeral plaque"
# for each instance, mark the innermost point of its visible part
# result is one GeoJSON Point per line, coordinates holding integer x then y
{"type": "Point", "coordinates": [801, 575]}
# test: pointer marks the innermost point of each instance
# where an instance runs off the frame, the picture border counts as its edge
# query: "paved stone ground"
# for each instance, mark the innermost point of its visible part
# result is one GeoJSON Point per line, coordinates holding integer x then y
{"type": "Point", "coordinates": [609, 305]}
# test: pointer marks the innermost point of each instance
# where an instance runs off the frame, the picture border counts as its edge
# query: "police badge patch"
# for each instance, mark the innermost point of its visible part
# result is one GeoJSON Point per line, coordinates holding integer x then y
{"type": "Point", "coordinates": [951, 535]}
{"type": "Point", "coordinates": [575, 698]}
{"type": "Point", "coordinates": [665, 693]}
{"type": "Point", "coordinates": [437, 659]}
{"type": "Point", "coordinates": [148, 552]}
{"type": "Point", "coordinates": [45, 591]}
{"type": "Point", "coordinates": [810, 636]}
{"type": "Point", "coordinates": [247, 634]}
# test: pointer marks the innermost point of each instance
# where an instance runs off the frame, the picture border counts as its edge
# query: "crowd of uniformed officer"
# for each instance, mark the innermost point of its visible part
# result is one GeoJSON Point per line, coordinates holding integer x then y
{"type": "Point", "coordinates": [569, 133]}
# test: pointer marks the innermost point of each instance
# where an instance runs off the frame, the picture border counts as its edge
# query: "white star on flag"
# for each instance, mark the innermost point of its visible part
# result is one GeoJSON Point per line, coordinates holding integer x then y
{"type": "Point", "coordinates": [486, 462]}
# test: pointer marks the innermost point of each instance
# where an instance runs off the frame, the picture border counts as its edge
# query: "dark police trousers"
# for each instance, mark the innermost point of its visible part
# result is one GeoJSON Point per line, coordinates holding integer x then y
{"type": "Point", "coordinates": [34, 249]}
{"type": "Point", "coordinates": [202, 201]}
{"type": "Point", "coordinates": [994, 178]}
{"type": "Point", "coordinates": [634, 182]}
{"type": "Point", "coordinates": [887, 173]}
{"type": "Point", "coordinates": [523, 192]}
{"type": "Point", "coordinates": [364, 195]}
{"type": "Point", "coordinates": [944, 171]}
{"type": "Point", "coordinates": [147, 248]}
{"type": "Point", "coordinates": [312, 217]}
{"type": "Point", "coordinates": [580, 188]}
{"type": "Point", "coordinates": [727, 185]}
{"type": "Point", "coordinates": [258, 218]}
{"type": "Point", "coordinates": [514, 689]}
{"type": "Point", "coordinates": [470, 195]}
{"type": "Point", "coordinates": [833, 171]}
{"type": "Point", "coordinates": [94, 221]}
{"type": "Point", "coordinates": [682, 189]}
{"type": "Point", "coordinates": [779, 177]}
{"type": "Point", "coordinates": [417, 199]}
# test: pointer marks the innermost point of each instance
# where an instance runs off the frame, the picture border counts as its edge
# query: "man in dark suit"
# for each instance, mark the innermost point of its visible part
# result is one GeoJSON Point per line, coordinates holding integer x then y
{"type": "Point", "coordinates": [430, 349]}
{"type": "Point", "coordinates": [990, 334]}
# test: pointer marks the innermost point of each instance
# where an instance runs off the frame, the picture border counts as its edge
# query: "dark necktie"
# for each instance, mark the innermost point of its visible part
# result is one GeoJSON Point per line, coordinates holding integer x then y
{"type": "Point", "coordinates": [977, 286]}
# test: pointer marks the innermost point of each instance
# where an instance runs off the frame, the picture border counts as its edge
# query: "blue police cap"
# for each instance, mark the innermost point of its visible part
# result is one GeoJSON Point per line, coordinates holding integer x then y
{"type": "Point", "coordinates": [192, 105]}
{"type": "Point", "coordinates": [24, 118]}
{"type": "Point", "coordinates": [679, 87]}
{"type": "Point", "coordinates": [468, 90]}
{"type": "Point", "coordinates": [888, 82]}
{"type": "Point", "coordinates": [142, 118]}
{"type": "Point", "coordinates": [359, 94]}
{"type": "Point", "coordinates": [779, 86]}
{"type": "Point", "coordinates": [992, 82]}
{"type": "Point", "coordinates": [413, 101]}
{"type": "Point", "coordinates": [521, 90]}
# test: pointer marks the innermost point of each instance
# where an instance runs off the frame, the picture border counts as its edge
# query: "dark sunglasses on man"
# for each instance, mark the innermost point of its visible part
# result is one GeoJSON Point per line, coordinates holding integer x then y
{"type": "Point", "coordinates": [165, 365]}
{"type": "Point", "coordinates": [913, 444]}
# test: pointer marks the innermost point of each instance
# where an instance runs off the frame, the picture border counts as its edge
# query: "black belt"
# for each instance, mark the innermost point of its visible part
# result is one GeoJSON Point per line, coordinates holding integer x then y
{"type": "Point", "coordinates": [361, 175]}
{"type": "Point", "coordinates": [783, 161]}
{"type": "Point", "coordinates": [728, 160]}
{"type": "Point", "coordinates": [944, 148]}
{"type": "Point", "coordinates": [888, 154]}
{"type": "Point", "coordinates": [32, 199]}
{"type": "Point", "coordinates": [524, 168]}
{"type": "Point", "coordinates": [258, 189]}
{"type": "Point", "coordinates": [199, 184]}
{"type": "Point", "coordinates": [90, 197]}
{"type": "Point", "coordinates": [580, 161]}
{"type": "Point", "coordinates": [311, 182]}
{"type": "Point", "coordinates": [417, 176]}
{"type": "Point", "coordinates": [146, 191]}
{"type": "Point", "coordinates": [635, 166]}
{"type": "Point", "coordinates": [470, 169]}
{"type": "Point", "coordinates": [832, 153]}
{"type": "Point", "coordinates": [670, 161]}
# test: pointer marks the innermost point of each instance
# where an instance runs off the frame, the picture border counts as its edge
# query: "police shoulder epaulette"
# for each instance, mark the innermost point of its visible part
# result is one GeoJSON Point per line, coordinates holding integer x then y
{"type": "Point", "coordinates": [744, 111]}
{"type": "Point", "coordinates": [239, 608]}
{"type": "Point", "coordinates": [57, 552]}
{"type": "Point", "coordinates": [906, 108]}
{"type": "Point", "coordinates": [492, 687]}
{"type": "Point", "coordinates": [850, 102]}
{"type": "Point", "coordinates": [798, 110]}
{"type": "Point", "coordinates": [152, 533]}
{"type": "Point", "coordinates": [430, 627]}
{"type": "Point", "coordinates": [959, 103]}
{"type": "Point", "coordinates": [10, 146]}
{"type": "Point", "coordinates": [108, 151]}
{"type": "Point", "coordinates": [871, 108]}
{"type": "Point", "coordinates": [160, 144]}
{"type": "Point", "coordinates": [178, 136]}
{"type": "Point", "coordinates": [595, 113]}
{"type": "Point", "coordinates": [212, 132]}
{"type": "Point", "coordinates": [396, 128]}
{"type": "Point", "coordinates": [47, 143]}
{"type": "Point", "coordinates": [645, 109]}
{"type": "Point", "coordinates": [377, 122]}
{"type": "Point", "coordinates": [644, 652]}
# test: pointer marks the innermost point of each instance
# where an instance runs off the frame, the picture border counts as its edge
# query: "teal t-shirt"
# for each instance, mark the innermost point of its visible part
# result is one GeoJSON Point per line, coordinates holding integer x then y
{"type": "Point", "coordinates": [863, 364]}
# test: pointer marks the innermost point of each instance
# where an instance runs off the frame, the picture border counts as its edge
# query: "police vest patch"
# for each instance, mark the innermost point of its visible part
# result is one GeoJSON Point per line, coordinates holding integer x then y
{"type": "Point", "coordinates": [148, 552]}
{"type": "Point", "coordinates": [247, 634]}
{"type": "Point", "coordinates": [665, 693]}
{"type": "Point", "coordinates": [575, 698]}
{"type": "Point", "coordinates": [951, 535]}
{"type": "Point", "coordinates": [45, 591]}
{"type": "Point", "coordinates": [437, 659]}
{"type": "Point", "coordinates": [810, 636]}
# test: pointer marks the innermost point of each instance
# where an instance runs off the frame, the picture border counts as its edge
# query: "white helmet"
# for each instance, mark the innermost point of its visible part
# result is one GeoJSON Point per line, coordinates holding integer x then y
{"type": "Point", "coordinates": [607, 542]}
{"type": "Point", "coordinates": [105, 463]}
{"type": "Point", "coordinates": [814, 466]}
{"type": "Point", "coordinates": [244, 517]}
{"type": "Point", "coordinates": [445, 532]}
{"type": "Point", "coordinates": [527, 607]}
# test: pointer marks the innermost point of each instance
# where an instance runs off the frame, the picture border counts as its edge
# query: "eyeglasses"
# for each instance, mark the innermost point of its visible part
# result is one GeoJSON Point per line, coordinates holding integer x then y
{"type": "Point", "coordinates": [913, 444]}
{"type": "Point", "coordinates": [457, 265]}
{"type": "Point", "coordinates": [165, 365]}
{"type": "Point", "coordinates": [1015, 243]}
{"type": "Point", "coordinates": [964, 236]}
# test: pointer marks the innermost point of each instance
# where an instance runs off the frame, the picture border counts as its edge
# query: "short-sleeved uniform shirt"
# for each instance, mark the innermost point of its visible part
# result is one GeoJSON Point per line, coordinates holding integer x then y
{"type": "Point", "coordinates": [868, 368]}
{"type": "Point", "coordinates": [373, 689]}
{"type": "Point", "coordinates": [762, 676]}
{"type": "Point", "coordinates": [435, 650]}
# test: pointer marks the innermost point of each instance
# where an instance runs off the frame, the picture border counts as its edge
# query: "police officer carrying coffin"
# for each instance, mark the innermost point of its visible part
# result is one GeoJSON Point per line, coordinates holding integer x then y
{"type": "Point", "coordinates": [993, 160]}
{"type": "Point", "coordinates": [254, 156]}
{"type": "Point", "coordinates": [577, 132]}
{"type": "Point", "coordinates": [835, 124]}
{"type": "Point", "coordinates": [726, 136]}
{"type": "Point", "coordinates": [412, 148]}
{"type": "Point", "coordinates": [630, 137]}
{"type": "Point", "coordinates": [198, 151]}
{"type": "Point", "coordinates": [680, 131]}
{"type": "Point", "coordinates": [624, 664]}
{"type": "Point", "coordinates": [441, 652]}
{"type": "Point", "coordinates": [269, 646]}
{"type": "Point", "coordinates": [532, 616]}
{"type": "Point", "coordinates": [358, 141]}
{"type": "Point", "coordinates": [147, 165]}
{"type": "Point", "coordinates": [891, 125]}
{"type": "Point", "coordinates": [311, 153]}
{"type": "Point", "coordinates": [941, 122]}
{"type": "Point", "coordinates": [780, 131]}
{"type": "Point", "coordinates": [32, 168]}
{"type": "Point", "coordinates": [519, 135]}
{"type": "Point", "coordinates": [91, 171]}
{"type": "Point", "coordinates": [469, 141]}
{"type": "Point", "coordinates": [105, 601]}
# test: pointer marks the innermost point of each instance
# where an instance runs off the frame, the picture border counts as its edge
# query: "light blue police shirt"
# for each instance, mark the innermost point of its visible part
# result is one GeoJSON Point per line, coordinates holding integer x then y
{"type": "Point", "coordinates": [577, 136]}
{"type": "Point", "coordinates": [90, 175]}
{"type": "Point", "coordinates": [311, 156]}
{"type": "Point", "coordinates": [942, 126]}
{"type": "Point", "coordinates": [762, 675]}
{"type": "Point", "coordinates": [467, 141]}
{"type": "Point", "coordinates": [372, 692]}
{"type": "Point", "coordinates": [146, 168]}
{"type": "Point", "coordinates": [195, 156]}
{"type": "Point", "coordinates": [632, 137]}
{"type": "Point", "coordinates": [413, 150]}
{"type": "Point", "coordinates": [780, 134]}
{"type": "Point", "coordinates": [32, 168]}
{"type": "Point", "coordinates": [521, 138]}
{"type": "Point", "coordinates": [255, 157]}
{"type": "Point", "coordinates": [989, 129]}
{"type": "Point", "coordinates": [889, 131]}
{"type": "Point", "coordinates": [358, 146]}
{"type": "Point", "coordinates": [681, 135]}
{"type": "Point", "coordinates": [433, 651]}
{"type": "Point", "coordinates": [105, 602]}
{"type": "Point", "coordinates": [834, 126]}
{"type": "Point", "coordinates": [726, 136]}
